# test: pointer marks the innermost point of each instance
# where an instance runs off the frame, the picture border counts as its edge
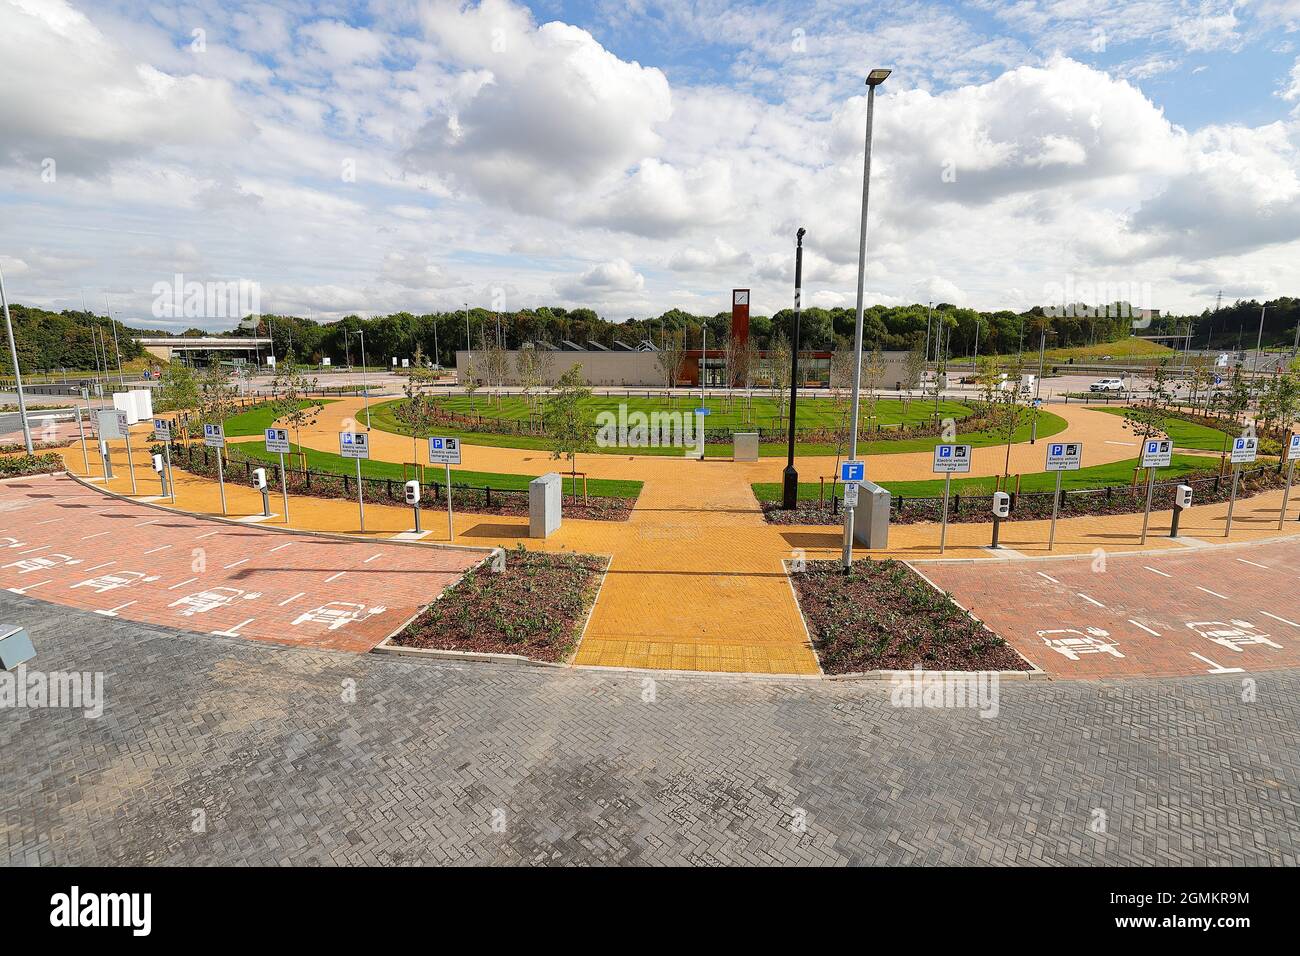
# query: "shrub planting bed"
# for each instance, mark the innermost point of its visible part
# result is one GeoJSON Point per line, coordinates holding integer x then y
{"type": "Point", "coordinates": [202, 461]}
{"type": "Point", "coordinates": [1207, 488]}
{"type": "Point", "coordinates": [536, 608]}
{"type": "Point", "coordinates": [885, 616]}
{"type": "Point", "coordinates": [17, 466]}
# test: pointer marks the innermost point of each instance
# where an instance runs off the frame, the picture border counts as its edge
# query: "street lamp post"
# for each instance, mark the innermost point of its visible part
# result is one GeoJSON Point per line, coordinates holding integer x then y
{"type": "Point", "coordinates": [1259, 342]}
{"type": "Point", "coordinates": [790, 477]}
{"type": "Point", "coordinates": [874, 79]}
{"type": "Point", "coordinates": [365, 382]}
{"type": "Point", "coordinates": [1038, 383]}
{"type": "Point", "coordinates": [121, 379]}
{"type": "Point", "coordinates": [18, 375]}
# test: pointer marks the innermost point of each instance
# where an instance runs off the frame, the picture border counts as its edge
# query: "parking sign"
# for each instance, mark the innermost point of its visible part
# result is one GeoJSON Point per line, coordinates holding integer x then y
{"type": "Point", "coordinates": [277, 440]}
{"type": "Point", "coordinates": [852, 471]}
{"type": "Point", "coordinates": [163, 429]}
{"type": "Point", "coordinates": [1295, 446]}
{"type": "Point", "coordinates": [214, 436]}
{"type": "Point", "coordinates": [1243, 450]}
{"type": "Point", "coordinates": [1064, 456]}
{"type": "Point", "coordinates": [1157, 453]}
{"type": "Point", "coordinates": [354, 445]}
{"type": "Point", "coordinates": [444, 451]}
{"type": "Point", "coordinates": [951, 459]}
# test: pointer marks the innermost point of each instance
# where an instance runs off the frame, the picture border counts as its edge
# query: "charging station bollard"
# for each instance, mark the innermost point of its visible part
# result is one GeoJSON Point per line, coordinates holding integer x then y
{"type": "Point", "coordinates": [159, 467]}
{"type": "Point", "coordinates": [108, 462]}
{"type": "Point", "coordinates": [259, 482]}
{"type": "Point", "coordinates": [1001, 509]}
{"type": "Point", "coordinates": [1182, 499]}
{"type": "Point", "coordinates": [413, 499]}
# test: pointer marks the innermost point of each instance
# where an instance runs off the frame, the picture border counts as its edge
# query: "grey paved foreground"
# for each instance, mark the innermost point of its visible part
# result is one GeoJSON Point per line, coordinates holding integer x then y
{"type": "Point", "coordinates": [440, 763]}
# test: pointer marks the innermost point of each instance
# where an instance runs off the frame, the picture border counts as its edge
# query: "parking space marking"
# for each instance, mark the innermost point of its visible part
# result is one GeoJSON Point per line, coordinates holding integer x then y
{"type": "Point", "coordinates": [156, 550]}
{"type": "Point", "coordinates": [1048, 576]}
{"type": "Point", "coordinates": [371, 558]}
{"type": "Point", "coordinates": [182, 584]}
{"type": "Point", "coordinates": [234, 631]}
{"type": "Point", "coordinates": [97, 534]}
{"type": "Point", "coordinates": [208, 535]}
{"type": "Point", "coordinates": [1157, 571]}
{"type": "Point", "coordinates": [98, 566]}
{"type": "Point", "coordinates": [290, 600]}
{"type": "Point", "coordinates": [1091, 600]}
{"type": "Point", "coordinates": [44, 547]}
{"type": "Point", "coordinates": [235, 564]}
{"type": "Point", "coordinates": [1144, 627]}
{"type": "Point", "coordinates": [335, 577]}
{"type": "Point", "coordinates": [49, 521]}
{"type": "Point", "coordinates": [1215, 593]}
{"type": "Point", "coordinates": [26, 588]}
{"type": "Point", "coordinates": [280, 547]}
{"type": "Point", "coordinates": [1216, 668]}
{"type": "Point", "coordinates": [1282, 619]}
{"type": "Point", "coordinates": [1255, 563]}
{"type": "Point", "coordinates": [112, 612]}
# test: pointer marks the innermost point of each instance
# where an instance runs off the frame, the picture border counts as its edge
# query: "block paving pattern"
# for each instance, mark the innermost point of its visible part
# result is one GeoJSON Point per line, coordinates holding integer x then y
{"type": "Point", "coordinates": [459, 763]}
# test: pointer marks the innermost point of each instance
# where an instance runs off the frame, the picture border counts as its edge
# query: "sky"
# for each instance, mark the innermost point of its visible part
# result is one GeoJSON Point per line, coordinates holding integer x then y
{"type": "Point", "coordinates": [632, 156]}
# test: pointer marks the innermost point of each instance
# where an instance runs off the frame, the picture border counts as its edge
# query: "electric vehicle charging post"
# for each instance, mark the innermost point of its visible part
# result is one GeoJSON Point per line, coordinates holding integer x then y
{"type": "Point", "coordinates": [413, 499]}
{"type": "Point", "coordinates": [356, 445]}
{"type": "Point", "coordinates": [161, 469]}
{"type": "Point", "coordinates": [1001, 511]}
{"type": "Point", "coordinates": [214, 436]}
{"type": "Point", "coordinates": [1244, 450]}
{"type": "Point", "coordinates": [1061, 457]}
{"type": "Point", "coordinates": [1182, 500]}
{"type": "Point", "coordinates": [446, 451]}
{"type": "Point", "coordinates": [947, 460]}
{"type": "Point", "coordinates": [259, 482]}
{"type": "Point", "coordinates": [1156, 453]}
{"type": "Point", "coordinates": [277, 441]}
{"type": "Point", "coordinates": [112, 424]}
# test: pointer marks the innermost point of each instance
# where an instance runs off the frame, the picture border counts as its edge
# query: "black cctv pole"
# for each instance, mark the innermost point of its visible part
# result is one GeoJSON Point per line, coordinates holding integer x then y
{"type": "Point", "coordinates": [790, 490]}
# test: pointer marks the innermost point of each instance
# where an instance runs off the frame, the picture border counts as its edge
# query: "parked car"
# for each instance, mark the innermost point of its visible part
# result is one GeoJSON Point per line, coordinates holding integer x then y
{"type": "Point", "coordinates": [1107, 385]}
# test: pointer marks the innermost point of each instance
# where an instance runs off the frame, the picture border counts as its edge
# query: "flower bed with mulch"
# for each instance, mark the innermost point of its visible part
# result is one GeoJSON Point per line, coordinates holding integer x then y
{"type": "Point", "coordinates": [18, 466]}
{"type": "Point", "coordinates": [977, 509]}
{"type": "Point", "coordinates": [885, 616]}
{"type": "Point", "coordinates": [536, 608]}
{"type": "Point", "coordinates": [390, 491]}
{"type": "Point", "coordinates": [10, 447]}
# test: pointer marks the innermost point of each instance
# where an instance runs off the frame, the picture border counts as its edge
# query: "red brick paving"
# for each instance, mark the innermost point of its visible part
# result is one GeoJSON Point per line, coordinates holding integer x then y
{"type": "Point", "coordinates": [153, 566]}
{"type": "Point", "coordinates": [1236, 588]}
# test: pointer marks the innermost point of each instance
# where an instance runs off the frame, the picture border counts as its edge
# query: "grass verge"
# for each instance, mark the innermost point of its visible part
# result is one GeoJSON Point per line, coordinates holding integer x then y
{"type": "Point", "coordinates": [1185, 434]}
{"type": "Point", "coordinates": [885, 616]}
{"type": "Point", "coordinates": [536, 608]}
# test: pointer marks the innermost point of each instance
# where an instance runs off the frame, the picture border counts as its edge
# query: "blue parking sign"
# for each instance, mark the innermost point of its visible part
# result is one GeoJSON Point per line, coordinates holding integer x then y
{"type": "Point", "coordinates": [852, 471]}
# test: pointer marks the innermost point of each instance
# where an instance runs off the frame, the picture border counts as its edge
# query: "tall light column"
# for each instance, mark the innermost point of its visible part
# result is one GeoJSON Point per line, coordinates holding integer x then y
{"type": "Point", "coordinates": [874, 79]}
{"type": "Point", "coordinates": [18, 375]}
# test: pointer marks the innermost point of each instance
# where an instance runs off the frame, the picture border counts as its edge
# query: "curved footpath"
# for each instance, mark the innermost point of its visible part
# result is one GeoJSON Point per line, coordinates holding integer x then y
{"type": "Point", "coordinates": [697, 579]}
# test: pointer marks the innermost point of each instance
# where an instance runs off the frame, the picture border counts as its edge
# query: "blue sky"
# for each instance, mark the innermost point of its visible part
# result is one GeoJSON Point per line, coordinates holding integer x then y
{"type": "Point", "coordinates": [633, 157]}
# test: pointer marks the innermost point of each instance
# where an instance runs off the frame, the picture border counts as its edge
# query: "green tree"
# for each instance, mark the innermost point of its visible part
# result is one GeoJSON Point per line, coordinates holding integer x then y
{"type": "Point", "coordinates": [568, 424]}
{"type": "Point", "coordinates": [290, 397]}
{"type": "Point", "coordinates": [218, 396]}
{"type": "Point", "coordinates": [177, 388]}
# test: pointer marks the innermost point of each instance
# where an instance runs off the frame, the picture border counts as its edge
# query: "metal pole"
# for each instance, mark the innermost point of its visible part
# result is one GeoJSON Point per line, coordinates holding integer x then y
{"type": "Point", "coordinates": [1232, 502]}
{"type": "Point", "coordinates": [85, 456]}
{"type": "Point", "coordinates": [130, 460]}
{"type": "Point", "coordinates": [221, 479]}
{"type": "Point", "coordinates": [365, 384]}
{"type": "Point", "coordinates": [1259, 341]}
{"type": "Point", "coordinates": [1146, 517]}
{"type": "Point", "coordinates": [117, 352]}
{"type": "Point", "coordinates": [451, 528]}
{"type": "Point", "coordinates": [361, 504]}
{"type": "Point", "coordinates": [704, 368]}
{"type": "Point", "coordinates": [929, 312]}
{"type": "Point", "coordinates": [171, 479]}
{"type": "Point", "coordinates": [284, 488]}
{"type": "Point", "coordinates": [847, 557]}
{"type": "Point", "coordinates": [1286, 493]}
{"type": "Point", "coordinates": [18, 375]}
{"type": "Point", "coordinates": [790, 478]}
{"type": "Point", "coordinates": [943, 528]}
{"type": "Point", "coordinates": [1056, 510]}
{"type": "Point", "coordinates": [108, 462]}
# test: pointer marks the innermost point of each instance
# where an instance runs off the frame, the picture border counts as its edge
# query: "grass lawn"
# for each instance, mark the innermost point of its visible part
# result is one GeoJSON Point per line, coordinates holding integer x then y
{"type": "Point", "coordinates": [1187, 434]}
{"type": "Point", "coordinates": [1096, 476]}
{"type": "Point", "coordinates": [255, 421]}
{"type": "Point", "coordinates": [373, 468]}
{"type": "Point", "coordinates": [1124, 348]}
{"type": "Point", "coordinates": [384, 419]}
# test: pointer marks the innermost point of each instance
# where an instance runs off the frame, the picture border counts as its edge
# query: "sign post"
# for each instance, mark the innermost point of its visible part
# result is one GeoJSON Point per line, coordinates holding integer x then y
{"type": "Point", "coordinates": [124, 426]}
{"type": "Point", "coordinates": [1156, 453]}
{"type": "Point", "coordinates": [1293, 449]}
{"type": "Point", "coordinates": [81, 428]}
{"type": "Point", "coordinates": [277, 440]}
{"type": "Point", "coordinates": [1244, 450]}
{"type": "Point", "coordinates": [446, 451]}
{"type": "Point", "coordinates": [1061, 457]}
{"type": "Point", "coordinates": [214, 436]}
{"type": "Point", "coordinates": [947, 460]}
{"type": "Point", "coordinates": [851, 472]}
{"type": "Point", "coordinates": [356, 445]}
{"type": "Point", "coordinates": [162, 427]}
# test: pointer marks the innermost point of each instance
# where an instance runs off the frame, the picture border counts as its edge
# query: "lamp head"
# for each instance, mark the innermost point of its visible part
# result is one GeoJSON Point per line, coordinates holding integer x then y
{"type": "Point", "coordinates": [876, 77]}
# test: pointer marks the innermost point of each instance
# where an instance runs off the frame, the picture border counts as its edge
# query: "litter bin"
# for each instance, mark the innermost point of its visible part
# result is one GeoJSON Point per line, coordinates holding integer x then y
{"type": "Point", "coordinates": [871, 516]}
{"type": "Point", "coordinates": [544, 495]}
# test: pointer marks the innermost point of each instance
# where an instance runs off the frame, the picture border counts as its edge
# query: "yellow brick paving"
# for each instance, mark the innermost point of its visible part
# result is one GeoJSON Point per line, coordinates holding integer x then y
{"type": "Point", "coordinates": [697, 580]}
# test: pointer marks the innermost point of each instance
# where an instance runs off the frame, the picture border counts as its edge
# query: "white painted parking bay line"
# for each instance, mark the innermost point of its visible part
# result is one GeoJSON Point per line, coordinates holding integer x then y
{"type": "Point", "coordinates": [181, 584]}
{"type": "Point", "coordinates": [1144, 627]}
{"type": "Point", "coordinates": [280, 547]}
{"type": "Point", "coordinates": [28, 587]}
{"type": "Point", "coordinates": [335, 577]}
{"type": "Point", "coordinates": [372, 557]}
{"type": "Point", "coordinates": [112, 612]}
{"type": "Point", "coordinates": [1282, 619]}
{"type": "Point", "coordinates": [235, 564]}
{"type": "Point", "coordinates": [1255, 563]}
{"type": "Point", "coordinates": [234, 631]}
{"type": "Point", "coordinates": [1048, 576]}
{"type": "Point", "coordinates": [156, 550]}
{"type": "Point", "coordinates": [98, 566]}
{"type": "Point", "coordinates": [49, 521]}
{"type": "Point", "coordinates": [208, 535]}
{"type": "Point", "coordinates": [1215, 593]}
{"type": "Point", "coordinates": [290, 600]}
{"type": "Point", "coordinates": [98, 534]}
{"type": "Point", "coordinates": [1157, 571]}
{"type": "Point", "coordinates": [1091, 600]}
